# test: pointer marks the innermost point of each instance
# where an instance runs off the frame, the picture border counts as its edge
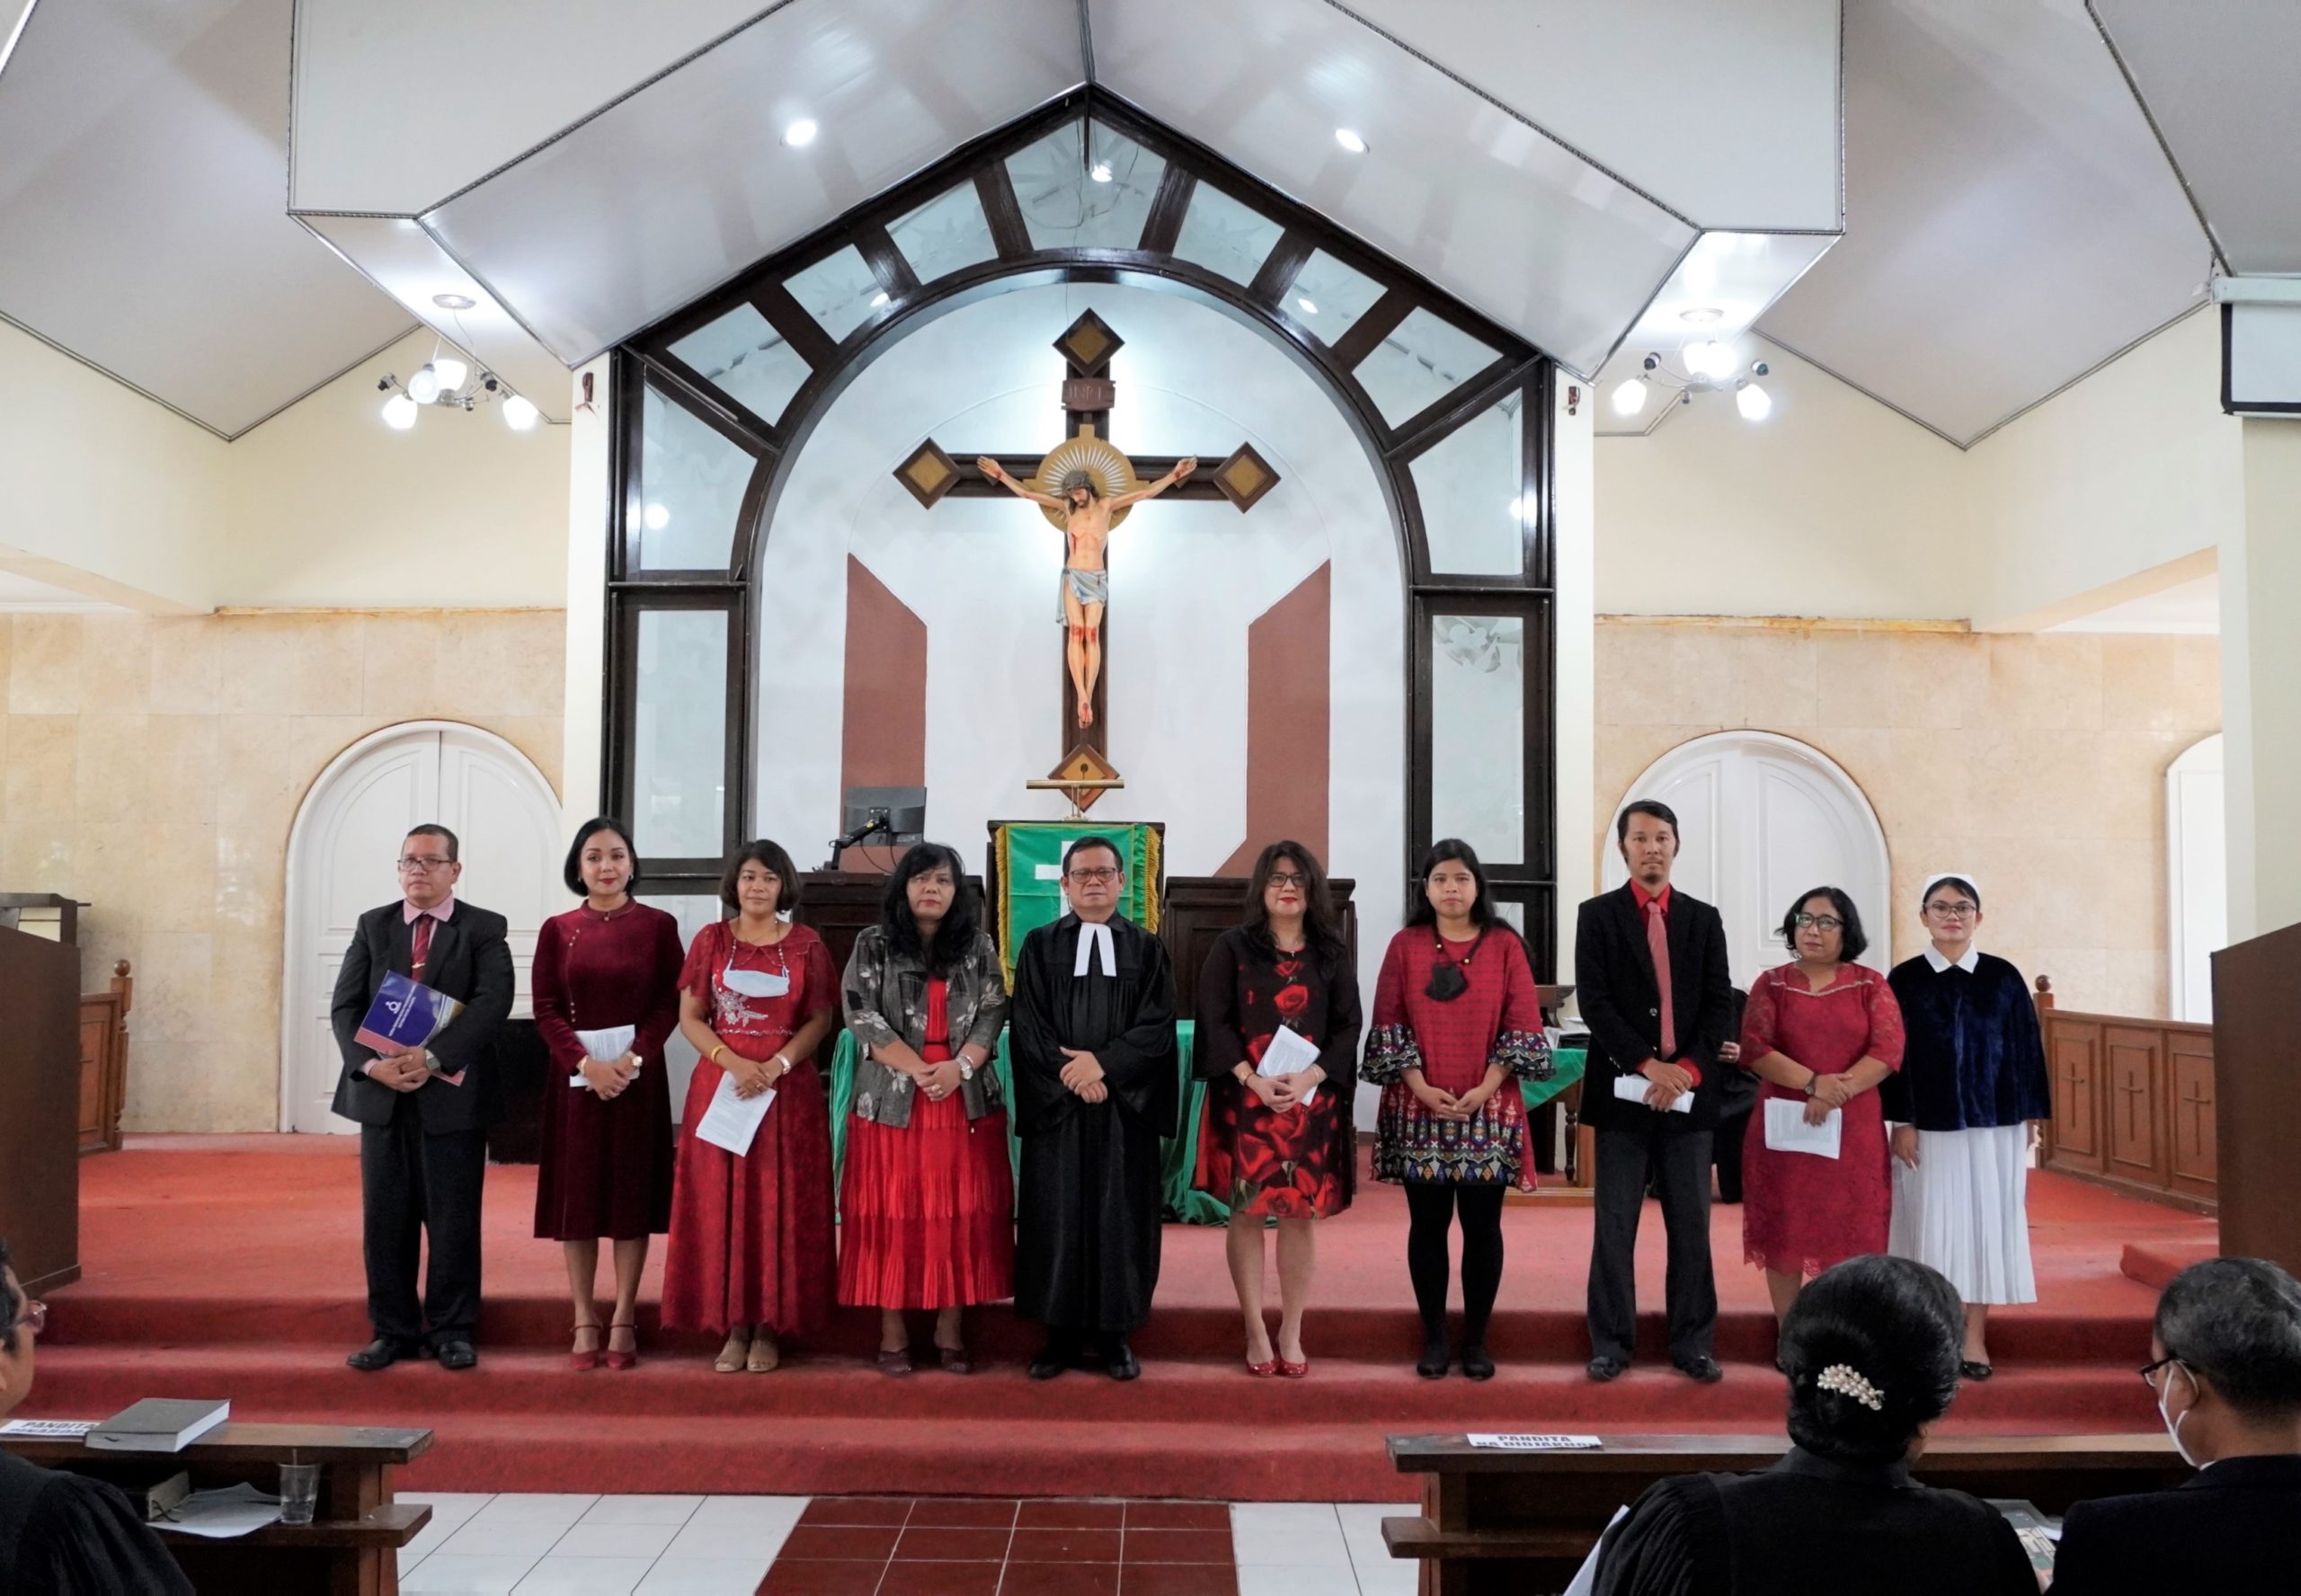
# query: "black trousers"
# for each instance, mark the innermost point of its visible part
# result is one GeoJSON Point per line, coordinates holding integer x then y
{"type": "Point", "coordinates": [1680, 1164]}
{"type": "Point", "coordinates": [411, 1183]}
{"type": "Point", "coordinates": [1728, 1141]}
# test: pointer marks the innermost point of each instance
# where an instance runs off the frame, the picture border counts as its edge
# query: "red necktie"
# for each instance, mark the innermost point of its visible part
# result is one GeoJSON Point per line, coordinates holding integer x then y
{"type": "Point", "coordinates": [1658, 942]}
{"type": "Point", "coordinates": [422, 950]}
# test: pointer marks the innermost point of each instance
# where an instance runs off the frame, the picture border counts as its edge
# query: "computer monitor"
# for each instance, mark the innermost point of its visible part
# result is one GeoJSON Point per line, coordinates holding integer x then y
{"type": "Point", "coordinates": [902, 809]}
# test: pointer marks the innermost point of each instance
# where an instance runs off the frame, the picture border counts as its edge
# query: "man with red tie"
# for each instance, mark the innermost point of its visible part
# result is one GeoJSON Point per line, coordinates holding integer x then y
{"type": "Point", "coordinates": [423, 1114]}
{"type": "Point", "coordinates": [1650, 980]}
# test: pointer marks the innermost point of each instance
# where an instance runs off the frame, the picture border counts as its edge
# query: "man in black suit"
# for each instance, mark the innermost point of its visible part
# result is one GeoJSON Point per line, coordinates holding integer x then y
{"type": "Point", "coordinates": [423, 1131]}
{"type": "Point", "coordinates": [2226, 1366]}
{"type": "Point", "coordinates": [1668, 1034]}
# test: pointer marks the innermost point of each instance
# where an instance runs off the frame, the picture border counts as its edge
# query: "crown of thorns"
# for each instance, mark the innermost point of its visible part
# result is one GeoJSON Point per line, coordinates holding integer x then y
{"type": "Point", "coordinates": [1847, 1382]}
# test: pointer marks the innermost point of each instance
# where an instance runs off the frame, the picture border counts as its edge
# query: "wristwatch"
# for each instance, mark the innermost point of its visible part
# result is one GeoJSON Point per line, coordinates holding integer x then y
{"type": "Point", "coordinates": [966, 1070]}
{"type": "Point", "coordinates": [1812, 1077]}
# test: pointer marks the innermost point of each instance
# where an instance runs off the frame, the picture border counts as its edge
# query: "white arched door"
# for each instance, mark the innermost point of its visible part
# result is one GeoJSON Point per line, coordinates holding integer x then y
{"type": "Point", "coordinates": [2196, 875]}
{"type": "Point", "coordinates": [339, 864]}
{"type": "Point", "coordinates": [1761, 819]}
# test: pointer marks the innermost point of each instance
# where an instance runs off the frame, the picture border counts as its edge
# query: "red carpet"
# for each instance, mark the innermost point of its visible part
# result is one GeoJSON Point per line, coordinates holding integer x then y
{"type": "Point", "coordinates": [230, 1267]}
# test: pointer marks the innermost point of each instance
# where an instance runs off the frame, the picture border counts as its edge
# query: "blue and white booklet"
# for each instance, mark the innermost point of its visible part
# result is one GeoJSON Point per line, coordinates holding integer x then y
{"type": "Point", "coordinates": [408, 1015]}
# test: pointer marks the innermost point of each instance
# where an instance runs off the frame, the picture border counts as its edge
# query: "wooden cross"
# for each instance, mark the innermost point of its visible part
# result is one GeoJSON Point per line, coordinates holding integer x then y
{"type": "Point", "coordinates": [930, 475]}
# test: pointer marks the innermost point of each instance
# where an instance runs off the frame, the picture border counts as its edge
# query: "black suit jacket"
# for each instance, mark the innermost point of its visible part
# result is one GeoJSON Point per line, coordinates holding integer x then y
{"type": "Point", "coordinates": [470, 960]}
{"type": "Point", "coordinates": [2235, 1528]}
{"type": "Point", "coordinates": [1622, 1004]}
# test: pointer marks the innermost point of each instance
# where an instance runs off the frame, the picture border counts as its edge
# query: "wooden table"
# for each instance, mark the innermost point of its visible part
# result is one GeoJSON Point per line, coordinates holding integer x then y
{"type": "Point", "coordinates": [346, 1550]}
{"type": "Point", "coordinates": [1523, 1521]}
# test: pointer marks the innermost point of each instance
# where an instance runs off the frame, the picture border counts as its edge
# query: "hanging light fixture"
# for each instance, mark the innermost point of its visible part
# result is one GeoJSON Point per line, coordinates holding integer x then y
{"type": "Point", "coordinates": [1753, 401]}
{"type": "Point", "coordinates": [1629, 396]}
{"type": "Point", "coordinates": [1708, 367]}
{"type": "Point", "coordinates": [446, 382]}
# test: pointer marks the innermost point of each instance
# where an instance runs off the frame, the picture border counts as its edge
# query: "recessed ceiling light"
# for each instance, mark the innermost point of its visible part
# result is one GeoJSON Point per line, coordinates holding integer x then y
{"type": "Point", "coordinates": [1308, 309]}
{"type": "Point", "coordinates": [799, 133]}
{"type": "Point", "coordinates": [454, 301]}
{"type": "Point", "coordinates": [1701, 315]}
{"type": "Point", "coordinates": [1350, 141]}
{"type": "Point", "coordinates": [1101, 171]}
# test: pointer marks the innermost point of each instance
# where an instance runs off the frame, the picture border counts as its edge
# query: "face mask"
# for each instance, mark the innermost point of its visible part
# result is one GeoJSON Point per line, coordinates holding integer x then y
{"type": "Point", "coordinates": [2173, 1425]}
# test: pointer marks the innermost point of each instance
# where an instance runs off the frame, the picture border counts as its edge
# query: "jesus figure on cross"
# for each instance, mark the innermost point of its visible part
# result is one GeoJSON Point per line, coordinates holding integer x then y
{"type": "Point", "coordinates": [1086, 580]}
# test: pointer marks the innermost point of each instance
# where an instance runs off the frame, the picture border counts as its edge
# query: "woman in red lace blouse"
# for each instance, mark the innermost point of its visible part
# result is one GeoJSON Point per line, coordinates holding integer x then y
{"type": "Point", "coordinates": [1821, 1031]}
{"type": "Point", "coordinates": [1457, 1021]}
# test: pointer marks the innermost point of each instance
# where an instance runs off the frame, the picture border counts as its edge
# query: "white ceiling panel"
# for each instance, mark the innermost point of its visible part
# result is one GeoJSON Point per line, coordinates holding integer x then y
{"type": "Point", "coordinates": [672, 191]}
{"type": "Point", "coordinates": [398, 105]}
{"type": "Point", "coordinates": [407, 263]}
{"type": "Point", "coordinates": [143, 176]}
{"type": "Point", "coordinates": [2217, 78]}
{"type": "Point", "coordinates": [2011, 221]}
{"type": "Point", "coordinates": [1484, 205]}
{"type": "Point", "coordinates": [1727, 114]}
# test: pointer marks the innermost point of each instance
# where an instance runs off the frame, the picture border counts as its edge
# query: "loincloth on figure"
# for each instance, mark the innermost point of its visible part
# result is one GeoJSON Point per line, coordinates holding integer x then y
{"type": "Point", "coordinates": [1088, 587]}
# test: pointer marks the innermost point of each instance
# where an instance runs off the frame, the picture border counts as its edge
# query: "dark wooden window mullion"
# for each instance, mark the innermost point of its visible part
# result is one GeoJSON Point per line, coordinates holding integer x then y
{"type": "Point", "coordinates": [788, 316]}
{"type": "Point", "coordinates": [1164, 225]}
{"type": "Point", "coordinates": [1472, 398]}
{"type": "Point", "coordinates": [1279, 271]}
{"type": "Point", "coordinates": [1382, 319]}
{"type": "Point", "coordinates": [1002, 210]}
{"type": "Point", "coordinates": [878, 248]}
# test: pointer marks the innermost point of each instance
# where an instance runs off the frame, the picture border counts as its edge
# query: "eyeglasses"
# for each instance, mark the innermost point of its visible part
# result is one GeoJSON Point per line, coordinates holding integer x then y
{"type": "Point", "coordinates": [1817, 922]}
{"type": "Point", "coordinates": [2148, 1370]}
{"type": "Point", "coordinates": [1953, 911]}
{"type": "Point", "coordinates": [1098, 874]}
{"type": "Point", "coordinates": [34, 1317]}
{"type": "Point", "coordinates": [429, 862]}
{"type": "Point", "coordinates": [1287, 878]}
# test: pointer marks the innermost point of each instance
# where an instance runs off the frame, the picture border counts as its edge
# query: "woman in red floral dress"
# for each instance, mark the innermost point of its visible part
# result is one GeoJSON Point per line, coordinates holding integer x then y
{"type": "Point", "coordinates": [751, 1240]}
{"type": "Point", "coordinates": [1262, 1149]}
{"type": "Point", "coordinates": [1822, 1032]}
{"type": "Point", "coordinates": [1457, 1022]}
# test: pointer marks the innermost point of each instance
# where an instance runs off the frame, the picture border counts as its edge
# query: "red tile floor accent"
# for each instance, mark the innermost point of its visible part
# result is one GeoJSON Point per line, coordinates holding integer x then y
{"type": "Point", "coordinates": [885, 1545]}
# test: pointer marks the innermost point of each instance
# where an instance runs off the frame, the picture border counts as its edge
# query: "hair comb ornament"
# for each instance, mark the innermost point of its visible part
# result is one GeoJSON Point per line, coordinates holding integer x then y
{"type": "Point", "coordinates": [1846, 1382]}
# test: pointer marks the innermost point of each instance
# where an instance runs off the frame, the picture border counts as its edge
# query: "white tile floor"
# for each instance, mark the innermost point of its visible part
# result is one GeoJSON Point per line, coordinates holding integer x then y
{"type": "Point", "coordinates": [703, 1545]}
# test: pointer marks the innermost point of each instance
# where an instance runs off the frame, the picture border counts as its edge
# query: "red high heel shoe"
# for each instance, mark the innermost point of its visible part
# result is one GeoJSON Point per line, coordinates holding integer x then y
{"type": "Point", "coordinates": [580, 1360]}
{"type": "Point", "coordinates": [621, 1361]}
{"type": "Point", "coordinates": [1263, 1369]}
{"type": "Point", "coordinates": [1293, 1371]}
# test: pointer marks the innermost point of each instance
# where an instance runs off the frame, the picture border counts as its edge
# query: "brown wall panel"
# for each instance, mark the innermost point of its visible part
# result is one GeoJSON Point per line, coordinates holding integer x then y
{"type": "Point", "coordinates": [1289, 692]}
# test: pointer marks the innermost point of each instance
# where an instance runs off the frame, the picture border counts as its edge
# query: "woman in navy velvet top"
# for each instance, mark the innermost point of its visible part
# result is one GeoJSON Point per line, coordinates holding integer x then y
{"type": "Point", "coordinates": [1966, 1107]}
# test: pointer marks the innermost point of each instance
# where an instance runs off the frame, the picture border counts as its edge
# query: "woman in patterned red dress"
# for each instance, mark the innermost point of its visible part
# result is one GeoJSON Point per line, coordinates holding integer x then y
{"type": "Point", "coordinates": [606, 982]}
{"type": "Point", "coordinates": [751, 1241]}
{"type": "Point", "coordinates": [1822, 1032]}
{"type": "Point", "coordinates": [1262, 1149]}
{"type": "Point", "coordinates": [1457, 1022]}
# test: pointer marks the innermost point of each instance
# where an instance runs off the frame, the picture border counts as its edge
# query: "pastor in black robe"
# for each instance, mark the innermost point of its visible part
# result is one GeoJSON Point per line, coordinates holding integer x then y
{"type": "Point", "coordinates": [1087, 1236]}
{"type": "Point", "coordinates": [66, 1535]}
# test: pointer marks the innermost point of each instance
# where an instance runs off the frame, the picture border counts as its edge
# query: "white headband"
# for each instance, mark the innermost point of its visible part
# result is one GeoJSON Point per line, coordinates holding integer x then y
{"type": "Point", "coordinates": [1936, 879]}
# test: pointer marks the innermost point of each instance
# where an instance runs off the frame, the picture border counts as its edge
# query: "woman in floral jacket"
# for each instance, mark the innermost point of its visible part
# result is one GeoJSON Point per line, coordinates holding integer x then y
{"type": "Point", "coordinates": [1278, 1147]}
{"type": "Point", "coordinates": [1457, 1022]}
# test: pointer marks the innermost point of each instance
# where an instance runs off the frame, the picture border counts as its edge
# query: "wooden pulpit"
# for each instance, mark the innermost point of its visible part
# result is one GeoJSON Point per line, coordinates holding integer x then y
{"type": "Point", "coordinates": [39, 1108]}
{"type": "Point", "coordinates": [2257, 1071]}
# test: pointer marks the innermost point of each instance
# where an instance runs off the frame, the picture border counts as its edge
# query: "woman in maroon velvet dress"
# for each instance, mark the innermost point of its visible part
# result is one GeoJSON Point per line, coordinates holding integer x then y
{"type": "Point", "coordinates": [606, 994]}
{"type": "Point", "coordinates": [752, 1248]}
{"type": "Point", "coordinates": [1262, 1151]}
{"type": "Point", "coordinates": [1822, 1032]}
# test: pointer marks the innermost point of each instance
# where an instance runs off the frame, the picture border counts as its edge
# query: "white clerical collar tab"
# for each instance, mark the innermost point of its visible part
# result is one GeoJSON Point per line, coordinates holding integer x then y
{"type": "Point", "coordinates": [1094, 943]}
{"type": "Point", "coordinates": [1970, 963]}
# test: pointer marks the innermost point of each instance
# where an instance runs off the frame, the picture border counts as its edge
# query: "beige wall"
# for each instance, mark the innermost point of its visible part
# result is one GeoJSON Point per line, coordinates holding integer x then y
{"type": "Point", "coordinates": [2036, 761]}
{"type": "Point", "coordinates": [153, 766]}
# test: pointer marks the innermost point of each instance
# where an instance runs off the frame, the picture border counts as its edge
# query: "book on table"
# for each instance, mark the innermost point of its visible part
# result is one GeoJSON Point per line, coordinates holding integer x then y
{"type": "Point", "coordinates": [408, 1015]}
{"type": "Point", "coordinates": [159, 1424]}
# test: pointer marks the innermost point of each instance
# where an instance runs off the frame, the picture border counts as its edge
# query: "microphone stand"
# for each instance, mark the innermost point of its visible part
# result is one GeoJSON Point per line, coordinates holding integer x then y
{"type": "Point", "coordinates": [875, 827]}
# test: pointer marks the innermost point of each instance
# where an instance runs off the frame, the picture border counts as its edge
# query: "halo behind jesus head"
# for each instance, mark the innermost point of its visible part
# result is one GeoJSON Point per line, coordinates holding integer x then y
{"type": "Point", "coordinates": [1096, 458]}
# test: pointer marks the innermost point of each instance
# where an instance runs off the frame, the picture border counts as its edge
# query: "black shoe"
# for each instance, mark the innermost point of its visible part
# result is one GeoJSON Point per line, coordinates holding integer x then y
{"type": "Point", "coordinates": [1604, 1369]}
{"type": "Point", "coordinates": [1974, 1370]}
{"type": "Point", "coordinates": [384, 1352]}
{"type": "Point", "coordinates": [1059, 1354]}
{"type": "Point", "coordinates": [1476, 1364]}
{"type": "Point", "coordinates": [1119, 1360]}
{"type": "Point", "coordinates": [1702, 1370]}
{"type": "Point", "coordinates": [456, 1354]}
{"type": "Point", "coordinates": [1434, 1361]}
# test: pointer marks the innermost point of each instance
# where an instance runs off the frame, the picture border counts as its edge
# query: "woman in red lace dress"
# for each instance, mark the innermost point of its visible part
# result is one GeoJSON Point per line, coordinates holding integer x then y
{"type": "Point", "coordinates": [751, 1240]}
{"type": "Point", "coordinates": [1457, 1022]}
{"type": "Point", "coordinates": [1262, 1151]}
{"type": "Point", "coordinates": [1821, 1031]}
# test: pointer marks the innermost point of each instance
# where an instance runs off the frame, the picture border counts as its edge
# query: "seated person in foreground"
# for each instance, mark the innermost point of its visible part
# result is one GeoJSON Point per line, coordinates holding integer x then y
{"type": "Point", "coordinates": [2226, 1367]}
{"type": "Point", "coordinates": [63, 1534]}
{"type": "Point", "coordinates": [1872, 1349]}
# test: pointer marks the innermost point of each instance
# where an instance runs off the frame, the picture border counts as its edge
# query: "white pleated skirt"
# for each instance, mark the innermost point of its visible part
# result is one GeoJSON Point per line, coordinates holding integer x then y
{"type": "Point", "coordinates": [1964, 1211]}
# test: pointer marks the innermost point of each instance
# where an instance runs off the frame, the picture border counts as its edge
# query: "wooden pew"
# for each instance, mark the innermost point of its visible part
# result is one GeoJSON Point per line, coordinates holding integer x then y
{"type": "Point", "coordinates": [1523, 1522]}
{"type": "Point", "coordinates": [348, 1549]}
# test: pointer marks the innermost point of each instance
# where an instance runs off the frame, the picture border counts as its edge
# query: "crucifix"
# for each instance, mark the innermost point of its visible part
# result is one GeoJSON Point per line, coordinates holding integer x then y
{"type": "Point", "coordinates": [1085, 487]}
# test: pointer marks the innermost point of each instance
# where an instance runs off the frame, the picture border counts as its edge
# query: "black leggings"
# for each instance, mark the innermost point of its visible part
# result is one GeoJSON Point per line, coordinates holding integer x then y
{"type": "Point", "coordinates": [1429, 1206]}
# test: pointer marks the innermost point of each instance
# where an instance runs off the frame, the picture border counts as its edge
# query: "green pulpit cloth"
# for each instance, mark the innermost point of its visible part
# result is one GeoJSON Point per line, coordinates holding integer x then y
{"type": "Point", "coordinates": [1570, 1061]}
{"type": "Point", "coordinates": [1180, 1153]}
{"type": "Point", "coordinates": [1028, 855]}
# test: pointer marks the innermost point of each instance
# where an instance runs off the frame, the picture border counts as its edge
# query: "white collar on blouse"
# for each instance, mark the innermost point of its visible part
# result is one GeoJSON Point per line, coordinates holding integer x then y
{"type": "Point", "coordinates": [1094, 943]}
{"type": "Point", "coordinates": [1969, 963]}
